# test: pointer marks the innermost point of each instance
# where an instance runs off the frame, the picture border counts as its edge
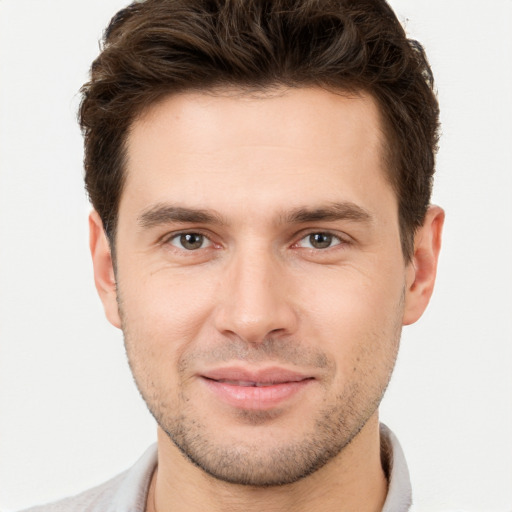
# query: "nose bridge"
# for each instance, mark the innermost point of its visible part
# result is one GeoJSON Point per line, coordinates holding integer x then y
{"type": "Point", "coordinates": [255, 301]}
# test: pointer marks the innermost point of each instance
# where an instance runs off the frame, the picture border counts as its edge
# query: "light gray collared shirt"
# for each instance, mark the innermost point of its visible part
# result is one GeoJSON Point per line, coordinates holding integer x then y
{"type": "Point", "coordinates": [128, 491]}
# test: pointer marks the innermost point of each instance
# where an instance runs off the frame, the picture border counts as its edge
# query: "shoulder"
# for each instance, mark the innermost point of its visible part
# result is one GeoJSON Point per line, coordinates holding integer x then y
{"type": "Point", "coordinates": [92, 500]}
{"type": "Point", "coordinates": [126, 492]}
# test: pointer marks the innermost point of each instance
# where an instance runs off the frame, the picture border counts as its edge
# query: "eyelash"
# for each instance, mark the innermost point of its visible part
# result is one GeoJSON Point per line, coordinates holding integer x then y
{"type": "Point", "coordinates": [331, 237]}
{"type": "Point", "coordinates": [177, 236]}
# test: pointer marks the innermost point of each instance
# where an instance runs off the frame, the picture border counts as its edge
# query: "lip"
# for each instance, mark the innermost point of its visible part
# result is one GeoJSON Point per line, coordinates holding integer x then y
{"type": "Point", "coordinates": [260, 389]}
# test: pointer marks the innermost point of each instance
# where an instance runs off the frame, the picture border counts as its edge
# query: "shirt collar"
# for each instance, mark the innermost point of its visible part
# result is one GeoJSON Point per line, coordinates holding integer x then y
{"type": "Point", "coordinates": [399, 498]}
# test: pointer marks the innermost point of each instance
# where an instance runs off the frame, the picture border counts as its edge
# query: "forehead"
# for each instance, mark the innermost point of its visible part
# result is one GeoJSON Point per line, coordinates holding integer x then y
{"type": "Point", "coordinates": [228, 116]}
{"type": "Point", "coordinates": [288, 145]}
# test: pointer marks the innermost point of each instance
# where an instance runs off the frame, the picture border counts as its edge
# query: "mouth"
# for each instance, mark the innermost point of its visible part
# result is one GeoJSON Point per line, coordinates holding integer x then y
{"type": "Point", "coordinates": [256, 390]}
{"type": "Point", "coordinates": [248, 383]}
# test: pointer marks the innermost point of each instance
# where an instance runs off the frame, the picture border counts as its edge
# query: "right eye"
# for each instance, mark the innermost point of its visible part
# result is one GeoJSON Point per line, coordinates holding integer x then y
{"type": "Point", "coordinates": [190, 241]}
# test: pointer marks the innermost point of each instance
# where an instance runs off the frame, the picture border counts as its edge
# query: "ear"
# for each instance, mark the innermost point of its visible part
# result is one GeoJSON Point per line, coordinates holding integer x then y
{"type": "Point", "coordinates": [421, 270]}
{"type": "Point", "coordinates": [104, 277]}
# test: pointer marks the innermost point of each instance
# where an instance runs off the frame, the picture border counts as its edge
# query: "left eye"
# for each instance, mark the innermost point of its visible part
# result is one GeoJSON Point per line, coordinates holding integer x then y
{"type": "Point", "coordinates": [319, 241]}
{"type": "Point", "coordinates": [190, 241]}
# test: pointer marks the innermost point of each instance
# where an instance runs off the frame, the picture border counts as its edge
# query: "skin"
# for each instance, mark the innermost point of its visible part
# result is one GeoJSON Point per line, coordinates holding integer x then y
{"type": "Point", "coordinates": [293, 261]}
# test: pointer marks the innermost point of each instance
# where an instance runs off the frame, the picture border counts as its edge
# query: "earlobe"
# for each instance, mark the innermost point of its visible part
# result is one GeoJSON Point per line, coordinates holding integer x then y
{"type": "Point", "coordinates": [104, 277]}
{"type": "Point", "coordinates": [422, 269]}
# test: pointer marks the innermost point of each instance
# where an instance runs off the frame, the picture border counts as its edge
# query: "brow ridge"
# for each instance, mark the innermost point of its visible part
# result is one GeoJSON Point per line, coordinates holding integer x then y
{"type": "Point", "coordinates": [165, 213]}
{"type": "Point", "coordinates": [331, 212]}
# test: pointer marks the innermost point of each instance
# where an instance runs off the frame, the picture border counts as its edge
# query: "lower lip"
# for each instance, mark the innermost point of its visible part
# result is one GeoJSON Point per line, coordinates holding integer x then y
{"type": "Point", "coordinates": [256, 398]}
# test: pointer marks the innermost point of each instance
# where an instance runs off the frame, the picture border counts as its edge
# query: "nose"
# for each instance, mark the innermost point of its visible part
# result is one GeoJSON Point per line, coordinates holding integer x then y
{"type": "Point", "coordinates": [255, 298]}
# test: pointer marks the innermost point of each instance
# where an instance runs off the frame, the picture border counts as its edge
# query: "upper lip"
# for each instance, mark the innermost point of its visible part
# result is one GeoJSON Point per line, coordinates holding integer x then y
{"type": "Point", "coordinates": [270, 375]}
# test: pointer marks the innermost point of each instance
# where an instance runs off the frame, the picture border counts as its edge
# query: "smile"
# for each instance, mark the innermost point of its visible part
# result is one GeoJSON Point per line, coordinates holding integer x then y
{"type": "Point", "coordinates": [255, 390]}
{"type": "Point", "coordinates": [248, 383]}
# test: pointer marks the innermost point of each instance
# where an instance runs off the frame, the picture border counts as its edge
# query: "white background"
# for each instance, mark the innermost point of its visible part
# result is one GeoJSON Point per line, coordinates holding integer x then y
{"type": "Point", "coordinates": [70, 416]}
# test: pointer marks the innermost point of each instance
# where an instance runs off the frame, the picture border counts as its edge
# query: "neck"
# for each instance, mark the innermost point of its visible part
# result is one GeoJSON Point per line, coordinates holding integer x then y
{"type": "Point", "coordinates": [353, 480]}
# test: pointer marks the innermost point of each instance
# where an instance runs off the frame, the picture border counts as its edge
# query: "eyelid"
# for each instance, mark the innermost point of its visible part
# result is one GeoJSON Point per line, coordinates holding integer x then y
{"type": "Point", "coordinates": [168, 237]}
{"type": "Point", "coordinates": [342, 238]}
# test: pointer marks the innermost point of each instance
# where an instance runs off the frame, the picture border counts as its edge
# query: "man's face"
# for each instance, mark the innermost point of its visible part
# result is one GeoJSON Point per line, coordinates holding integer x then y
{"type": "Point", "coordinates": [260, 276]}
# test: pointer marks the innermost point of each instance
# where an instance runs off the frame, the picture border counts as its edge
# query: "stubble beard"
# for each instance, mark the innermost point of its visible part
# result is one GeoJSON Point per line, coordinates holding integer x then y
{"type": "Point", "coordinates": [254, 464]}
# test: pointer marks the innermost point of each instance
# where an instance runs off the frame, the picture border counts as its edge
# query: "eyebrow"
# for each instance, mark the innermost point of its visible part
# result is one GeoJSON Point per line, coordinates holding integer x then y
{"type": "Point", "coordinates": [165, 214]}
{"type": "Point", "coordinates": [332, 212]}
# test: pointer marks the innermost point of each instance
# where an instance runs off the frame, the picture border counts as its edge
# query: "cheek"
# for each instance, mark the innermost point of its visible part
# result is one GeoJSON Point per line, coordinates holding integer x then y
{"type": "Point", "coordinates": [355, 314]}
{"type": "Point", "coordinates": [163, 315]}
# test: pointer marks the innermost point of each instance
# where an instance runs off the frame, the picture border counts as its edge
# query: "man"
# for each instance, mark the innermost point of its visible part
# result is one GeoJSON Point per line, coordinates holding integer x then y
{"type": "Point", "coordinates": [260, 174]}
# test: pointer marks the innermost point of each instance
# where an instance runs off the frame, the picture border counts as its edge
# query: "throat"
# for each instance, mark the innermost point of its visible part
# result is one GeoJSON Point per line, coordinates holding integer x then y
{"type": "Point", "coordinates": [353, 480]}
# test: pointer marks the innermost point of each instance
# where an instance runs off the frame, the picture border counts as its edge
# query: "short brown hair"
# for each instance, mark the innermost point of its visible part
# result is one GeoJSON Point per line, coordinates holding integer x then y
{"type": "Point", "coordinates": [154, 48]}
